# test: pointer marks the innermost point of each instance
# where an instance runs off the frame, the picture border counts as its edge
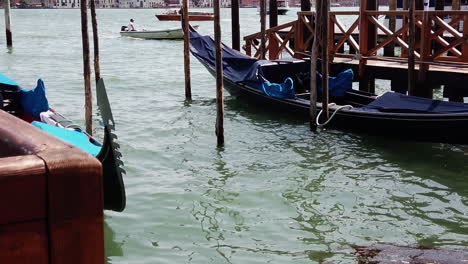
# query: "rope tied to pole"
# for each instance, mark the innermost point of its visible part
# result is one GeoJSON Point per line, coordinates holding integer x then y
{"type": "Point", "coordinates": [347, 107]}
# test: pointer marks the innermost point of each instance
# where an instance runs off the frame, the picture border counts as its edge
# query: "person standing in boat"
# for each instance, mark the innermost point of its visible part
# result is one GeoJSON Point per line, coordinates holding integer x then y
{"type": "Point", "coordinates": [131, 26]}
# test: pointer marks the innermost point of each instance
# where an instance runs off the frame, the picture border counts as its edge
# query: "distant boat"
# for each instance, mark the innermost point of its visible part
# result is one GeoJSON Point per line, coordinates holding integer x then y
{"type": "Point", "coordinates": [283, 7]}
{"type": "Point", "coordinates": [174, 15]}
{"type": "Point", "coordinates": [172, 33]}
{"type": "Point", "coordinates": [335, 5]}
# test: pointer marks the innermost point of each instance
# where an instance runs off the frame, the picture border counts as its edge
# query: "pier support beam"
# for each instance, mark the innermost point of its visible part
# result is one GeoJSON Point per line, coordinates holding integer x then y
{"type": "Point", "coordinates": [9, 39]}
{"type": "Point", "coordinates": [367, 41]}
{"type": "Point", "coordinates": [389, 50]}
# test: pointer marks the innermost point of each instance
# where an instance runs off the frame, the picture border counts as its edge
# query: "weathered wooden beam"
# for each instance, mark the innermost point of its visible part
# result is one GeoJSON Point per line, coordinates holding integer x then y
{"type": "Point", "coordinates": [411, 37]}
{"type": "Point", "coordinates": [235, 24]}
{"type": "Point", "coordinates": [86, 68]}
{"type": "Point", "coordinates": [325, 57]}
{"type": "Point", "coordinates": [97, 67]}
{"type": "Point", "coordinates": [9, 39]}
{"type": "Point", "coordinates": [273, 13]}
{"type": "Point", "coordinates": [313, 67]}
{"type": "Point", "coordinates": [219, 76]}
{"type": "Point", "coordinates": [305, 5]}
{"type": "Point", "coordinates": [262, 29]}
{"type": "Point", "coordinates": [389, 50]}
{"type": "Point", "coordinates": [185, 25]}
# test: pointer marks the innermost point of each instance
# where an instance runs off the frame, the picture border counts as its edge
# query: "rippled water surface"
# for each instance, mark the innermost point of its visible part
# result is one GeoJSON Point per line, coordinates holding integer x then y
{"type": "Point", "coordinates": [274, 194]}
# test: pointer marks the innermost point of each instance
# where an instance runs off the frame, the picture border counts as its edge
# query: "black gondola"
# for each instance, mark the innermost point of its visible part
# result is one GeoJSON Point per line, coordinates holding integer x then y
{"type": "Point", "coordinates": [391, 114]}
{"type": "Point", "coordinates": [20, 103]}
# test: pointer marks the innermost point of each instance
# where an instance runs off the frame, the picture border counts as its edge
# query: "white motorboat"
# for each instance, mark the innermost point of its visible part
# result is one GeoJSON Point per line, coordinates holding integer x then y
{"type": "Point", "coordinates": [171, 33]}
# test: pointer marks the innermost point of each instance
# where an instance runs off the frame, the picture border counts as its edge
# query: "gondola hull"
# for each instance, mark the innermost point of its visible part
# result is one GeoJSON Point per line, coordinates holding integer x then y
{"type": "Point", "coordinates": [443, 128]}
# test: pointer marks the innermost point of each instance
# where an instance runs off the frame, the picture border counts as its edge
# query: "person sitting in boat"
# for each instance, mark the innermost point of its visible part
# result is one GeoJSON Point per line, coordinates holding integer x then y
{"type": "Point", "coordinates": [131, 26]}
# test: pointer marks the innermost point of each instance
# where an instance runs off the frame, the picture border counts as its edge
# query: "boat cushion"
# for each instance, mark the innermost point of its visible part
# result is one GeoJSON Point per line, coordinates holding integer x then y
{"type": "Point", "coordinates": [283, 90]}
{"type": "Point", "coordinates": [400, 103]}
{"type": "Point", "coordinates": [75, 137]}
{"type": "Point", "coordinates": [34, 101]}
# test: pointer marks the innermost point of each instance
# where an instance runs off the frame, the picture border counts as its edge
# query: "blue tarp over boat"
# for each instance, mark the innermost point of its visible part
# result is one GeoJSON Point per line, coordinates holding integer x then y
{"type": "Point", "coordinates": [7, 81]}
{"type": "Point", "coordinates": [236, 66]}
{"type": "Point", "coordinates": [400, 103]}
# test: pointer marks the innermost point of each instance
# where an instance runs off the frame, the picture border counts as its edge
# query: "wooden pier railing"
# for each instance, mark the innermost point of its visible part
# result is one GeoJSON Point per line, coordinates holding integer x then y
{"type": "Point", "coordinates": [51, 208]}
{"type": "Point", "coordinates": [442, 36]}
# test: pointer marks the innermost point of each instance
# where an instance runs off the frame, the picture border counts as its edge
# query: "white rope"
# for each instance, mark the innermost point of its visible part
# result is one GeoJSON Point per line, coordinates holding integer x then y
{"type": "Point", "coordinates": [331, 117]}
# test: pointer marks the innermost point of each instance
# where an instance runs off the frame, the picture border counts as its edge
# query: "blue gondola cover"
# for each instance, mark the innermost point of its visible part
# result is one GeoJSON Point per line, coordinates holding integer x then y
{"type": "Point", "coordinates": [34, 101]}
{"type": "Point", "coordinates": [396, 102]}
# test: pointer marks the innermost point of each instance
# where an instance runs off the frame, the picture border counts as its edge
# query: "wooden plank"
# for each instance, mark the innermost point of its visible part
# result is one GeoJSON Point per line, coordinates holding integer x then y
{"type": "Point", "coordinates": [24, 243]}
{"type": "Point", "coordinates": [22, 189]}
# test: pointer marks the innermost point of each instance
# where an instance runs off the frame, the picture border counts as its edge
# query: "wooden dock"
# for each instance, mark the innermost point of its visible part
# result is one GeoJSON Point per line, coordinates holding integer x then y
{"type": "Point", "coordinates": [374, 50]}
{"type": "Point", "coordinates": [52, 199]}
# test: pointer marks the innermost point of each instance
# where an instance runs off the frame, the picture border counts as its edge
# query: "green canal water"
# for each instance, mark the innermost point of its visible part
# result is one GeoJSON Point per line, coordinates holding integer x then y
{"type": "Point", "coordinates": [274, 194]}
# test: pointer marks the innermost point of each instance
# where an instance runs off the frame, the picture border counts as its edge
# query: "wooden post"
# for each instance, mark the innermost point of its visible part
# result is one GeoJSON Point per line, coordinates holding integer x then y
{"type": "Point", "coordinates": [9, 39]}
{"type": "Point", "coordinates": [411, 33]}
{"type": "Point", "coordinates": [363, 42]}
{"type": "Point", "coordinates": [313, 67]}
{"type": "Point", "coordinates": [86, 68]}
{"type": "Point", "coordinates": [97, 67]}
{"type": "Point", "coordinates": [273, 13]}
{"type": "Point", "coordinates": [305, 5]}
{"type": "Point", "coordinates": [185, 24]}
{"type": "Point", "coordinates": [389, 50]}
{"type": "Point", "coordinates": [455, 4]}
{"type": "Point", "coordinates": [404, 52]}
{"type": "Point", "coordinates": [325, 56]}
{"type": "Point", "coordinates": [262, 29]}
{"type": "Point", "coordinates": [235, 24]}
{"type": "Point", "coordinates": [219, 76]}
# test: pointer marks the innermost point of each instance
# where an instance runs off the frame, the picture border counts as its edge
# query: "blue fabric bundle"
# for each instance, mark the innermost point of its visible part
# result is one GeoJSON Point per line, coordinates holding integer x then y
{"type": "Point", "coordinates": [76, 138]}
{"type": "Point", "coordinates": [283, 90]}
{"type": "Point", "coordinates": [340, 84]}
{"type": "Point", "coordinates": [34, 101]}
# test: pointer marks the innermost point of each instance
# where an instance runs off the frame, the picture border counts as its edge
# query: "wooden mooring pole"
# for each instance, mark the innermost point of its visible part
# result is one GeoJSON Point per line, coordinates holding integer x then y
{"type": "Point", "coordinates": [412, 38]}
{"type": "Point", "coordinates": [9, 39]}
{"type": "Point", "coordinates": [97, 67]}
{"type": "Point", "coordinates": [86, 68]}
{"type": "Point", "coordinates": [389, 50]}
{"type": "Point", "coordinates": [273, 13]}
{"type": "Point", "coordinates": [185, 25]}
{"type": "Point", "coordinates": [262, 29]}
{"type": "Point", "coordinates": [235, 24]}
{"type": "Point", "coordinates": [219, 75]}
{"type": "Point", "coordinates": [325, 67]}
{"type": "Point", "coordinates": [313, 68]}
